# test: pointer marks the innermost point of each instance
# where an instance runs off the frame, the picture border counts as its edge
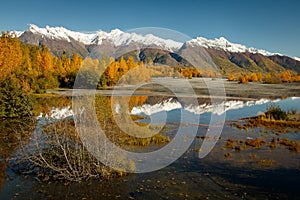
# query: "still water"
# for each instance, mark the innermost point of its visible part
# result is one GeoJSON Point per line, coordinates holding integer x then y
{"type": "Point", "coordinates": [251, 173]}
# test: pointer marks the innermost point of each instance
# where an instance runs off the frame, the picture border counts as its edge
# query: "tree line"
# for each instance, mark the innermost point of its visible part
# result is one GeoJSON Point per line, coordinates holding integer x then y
{"type": "Point", "coordinates": [27, 69]}
{"type": "Point", "coordinates": [286, 76]}
{"type": "Point", "coordinates": [34, 67]}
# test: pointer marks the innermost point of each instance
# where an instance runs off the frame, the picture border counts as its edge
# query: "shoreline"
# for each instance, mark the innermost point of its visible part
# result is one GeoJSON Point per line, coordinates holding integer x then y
{"type": "Point", "coordinates": [163, 87]}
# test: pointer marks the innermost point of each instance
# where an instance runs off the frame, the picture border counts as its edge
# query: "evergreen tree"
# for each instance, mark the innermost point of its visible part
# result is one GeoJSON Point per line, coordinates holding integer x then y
{"type": "Point", "coordinates": [14, 100]}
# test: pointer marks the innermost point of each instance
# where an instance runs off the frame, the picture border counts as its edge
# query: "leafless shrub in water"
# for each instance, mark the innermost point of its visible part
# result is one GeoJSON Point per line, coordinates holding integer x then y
{"type": "Point", "coordinates": [57, 152]}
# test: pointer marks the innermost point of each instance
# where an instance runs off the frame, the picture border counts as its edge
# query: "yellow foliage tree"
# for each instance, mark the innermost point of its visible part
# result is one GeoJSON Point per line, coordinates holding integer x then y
{"type": "Point", "coordinates": [254, 77]}
{"type": "Point", "coordinates": [231, 77]}
{"type": "Point", "coordinates": [10, 55]}
{"type": "Point", "coordinates": [286, 76]}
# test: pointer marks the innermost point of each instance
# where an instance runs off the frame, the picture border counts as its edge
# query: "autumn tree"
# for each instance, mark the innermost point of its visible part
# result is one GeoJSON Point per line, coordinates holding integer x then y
{"type": "Point", "coordinates": [286, 76]}
{"type": "Point", "coordinates": [243, 78]}
{"type": "Point", "coordinates": [254, 77]}
{"type": "Point", "coordinates": [10, 55]}
{"type": "Point", "coordinates": [130, 63]}
{"type": "Point", "coordinates": [231, 77]}
{"type": "Point", "coordinates": [46, 77]}
{"type": "Point", "coordinates": [123, 66]}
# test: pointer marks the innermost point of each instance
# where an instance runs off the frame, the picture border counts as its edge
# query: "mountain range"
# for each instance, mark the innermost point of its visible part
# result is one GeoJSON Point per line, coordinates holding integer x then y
{"type": "Point", "coordinates": [219, 53]}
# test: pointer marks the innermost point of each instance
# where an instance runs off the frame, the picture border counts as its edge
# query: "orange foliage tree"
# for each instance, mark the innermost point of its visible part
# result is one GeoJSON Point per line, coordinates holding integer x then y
{"type": "Point", "coordinates": [254, 77]}
{"type": "Point", "coordinates": [231, 77]}
{"type": "Point", "coordinates": [286, 76]}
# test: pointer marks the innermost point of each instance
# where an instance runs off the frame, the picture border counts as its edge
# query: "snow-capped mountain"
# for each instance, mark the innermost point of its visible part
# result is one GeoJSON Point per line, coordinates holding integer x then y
{"type": "Point", "coordinates": [115, 36]}
{"type": "Point", "coordinates": [120, 38]}
{"type": "Point", "coordinates": [61, 33]}
{"type": "Point", "coordinates": [17, 33]}
{"type": "Point", "coordinates": [216, 53]}
{"type": "Point", "coordinates": [223, 44]}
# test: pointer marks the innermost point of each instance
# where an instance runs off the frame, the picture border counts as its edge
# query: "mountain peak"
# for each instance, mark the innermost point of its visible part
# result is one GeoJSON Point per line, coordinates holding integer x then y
{"type": "Point", "coordinates": [116, 36]}
{"type": "Point", "coordinates": [60, 33]}
{"type": "Point", "coordinates": [33, 27]}
{"type": "Point", "coordinates": [116, 31]}
{"type": "Point", "coordinates": [119, 38]}
{"type": "Point", "coordinates": [222, 39]}
{"type": "Point", "coordinates": [223, 44]}
{"type": "Point", "coordinates": [50, 32]}
{"type": "Point", "coordinates": [218, 43]}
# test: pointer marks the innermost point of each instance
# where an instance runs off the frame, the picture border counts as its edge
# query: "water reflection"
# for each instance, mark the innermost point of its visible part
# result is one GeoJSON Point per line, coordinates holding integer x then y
{"type": "Point", "coordinates": [153, 105]}
{"type": "Point", "coordinates": [243, 174]}
{"type": "Point", "coordinates": [3, 173]}
{"type": "Point", "coordinates": [234, 109]}
{"type": "Point", "coordinates": [13, 133]}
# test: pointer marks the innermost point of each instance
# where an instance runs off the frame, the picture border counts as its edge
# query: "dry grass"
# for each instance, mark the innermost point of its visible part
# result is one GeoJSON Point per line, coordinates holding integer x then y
{"type": "Point", "coordinates": [290, 144]}
{"type": "Point", "coordinates": [239, 145]}
{"type": "Point", "coordinates": [230, 144]}
{"type": "Point", "coordinates": [273, 143]}
{"type": "Point", "coordinates": [255, 142]}
{"type": "Point", "coordinates": [275, 120]}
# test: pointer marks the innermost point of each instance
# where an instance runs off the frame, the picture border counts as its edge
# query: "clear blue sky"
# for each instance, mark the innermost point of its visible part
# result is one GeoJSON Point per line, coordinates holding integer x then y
{"type": "Point", "coordinates": [267, 24]}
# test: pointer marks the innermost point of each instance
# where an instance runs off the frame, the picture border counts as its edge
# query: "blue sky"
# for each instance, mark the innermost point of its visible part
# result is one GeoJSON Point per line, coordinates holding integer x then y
{"type": "Point", "coordinates": [266, 24]}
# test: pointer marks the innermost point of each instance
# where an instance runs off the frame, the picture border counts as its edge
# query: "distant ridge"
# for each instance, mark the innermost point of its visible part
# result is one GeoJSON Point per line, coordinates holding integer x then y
{"type": "Point", "coordinates": [229, 57]}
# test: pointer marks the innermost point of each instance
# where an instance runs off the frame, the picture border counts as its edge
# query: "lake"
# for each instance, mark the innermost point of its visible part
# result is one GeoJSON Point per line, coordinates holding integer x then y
{"type": "Point", "coordinates": [206, 169]}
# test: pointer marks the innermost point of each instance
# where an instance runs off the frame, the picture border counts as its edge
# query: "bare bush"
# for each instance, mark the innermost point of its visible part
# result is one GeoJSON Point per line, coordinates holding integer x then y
{"type": "Point", "coordinates": [57, 152]}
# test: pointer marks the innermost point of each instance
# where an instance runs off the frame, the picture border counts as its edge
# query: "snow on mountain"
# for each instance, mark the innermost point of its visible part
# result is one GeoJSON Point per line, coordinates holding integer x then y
{"type": "Point", "coordinates": [61, 33]}
{"type": "Point", "coordinates": [296, 58]}
{"type": "Point", "coordinates": [119, 38]}
{"type": "Point", "coordinates": [224, 44]}
{"type": "Point", "coordinates": [218, 43]}
{"type": "Point", "coordinates": [116, 36]}
{"type": "Point", "coordinates": [16, 33]}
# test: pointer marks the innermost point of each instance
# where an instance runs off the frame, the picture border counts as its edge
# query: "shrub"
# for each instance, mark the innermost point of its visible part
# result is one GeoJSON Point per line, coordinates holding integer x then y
{"type": "Point", "coordinates": [276, 113]}
{"type": "Point", "coordinates": [60, 154]}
